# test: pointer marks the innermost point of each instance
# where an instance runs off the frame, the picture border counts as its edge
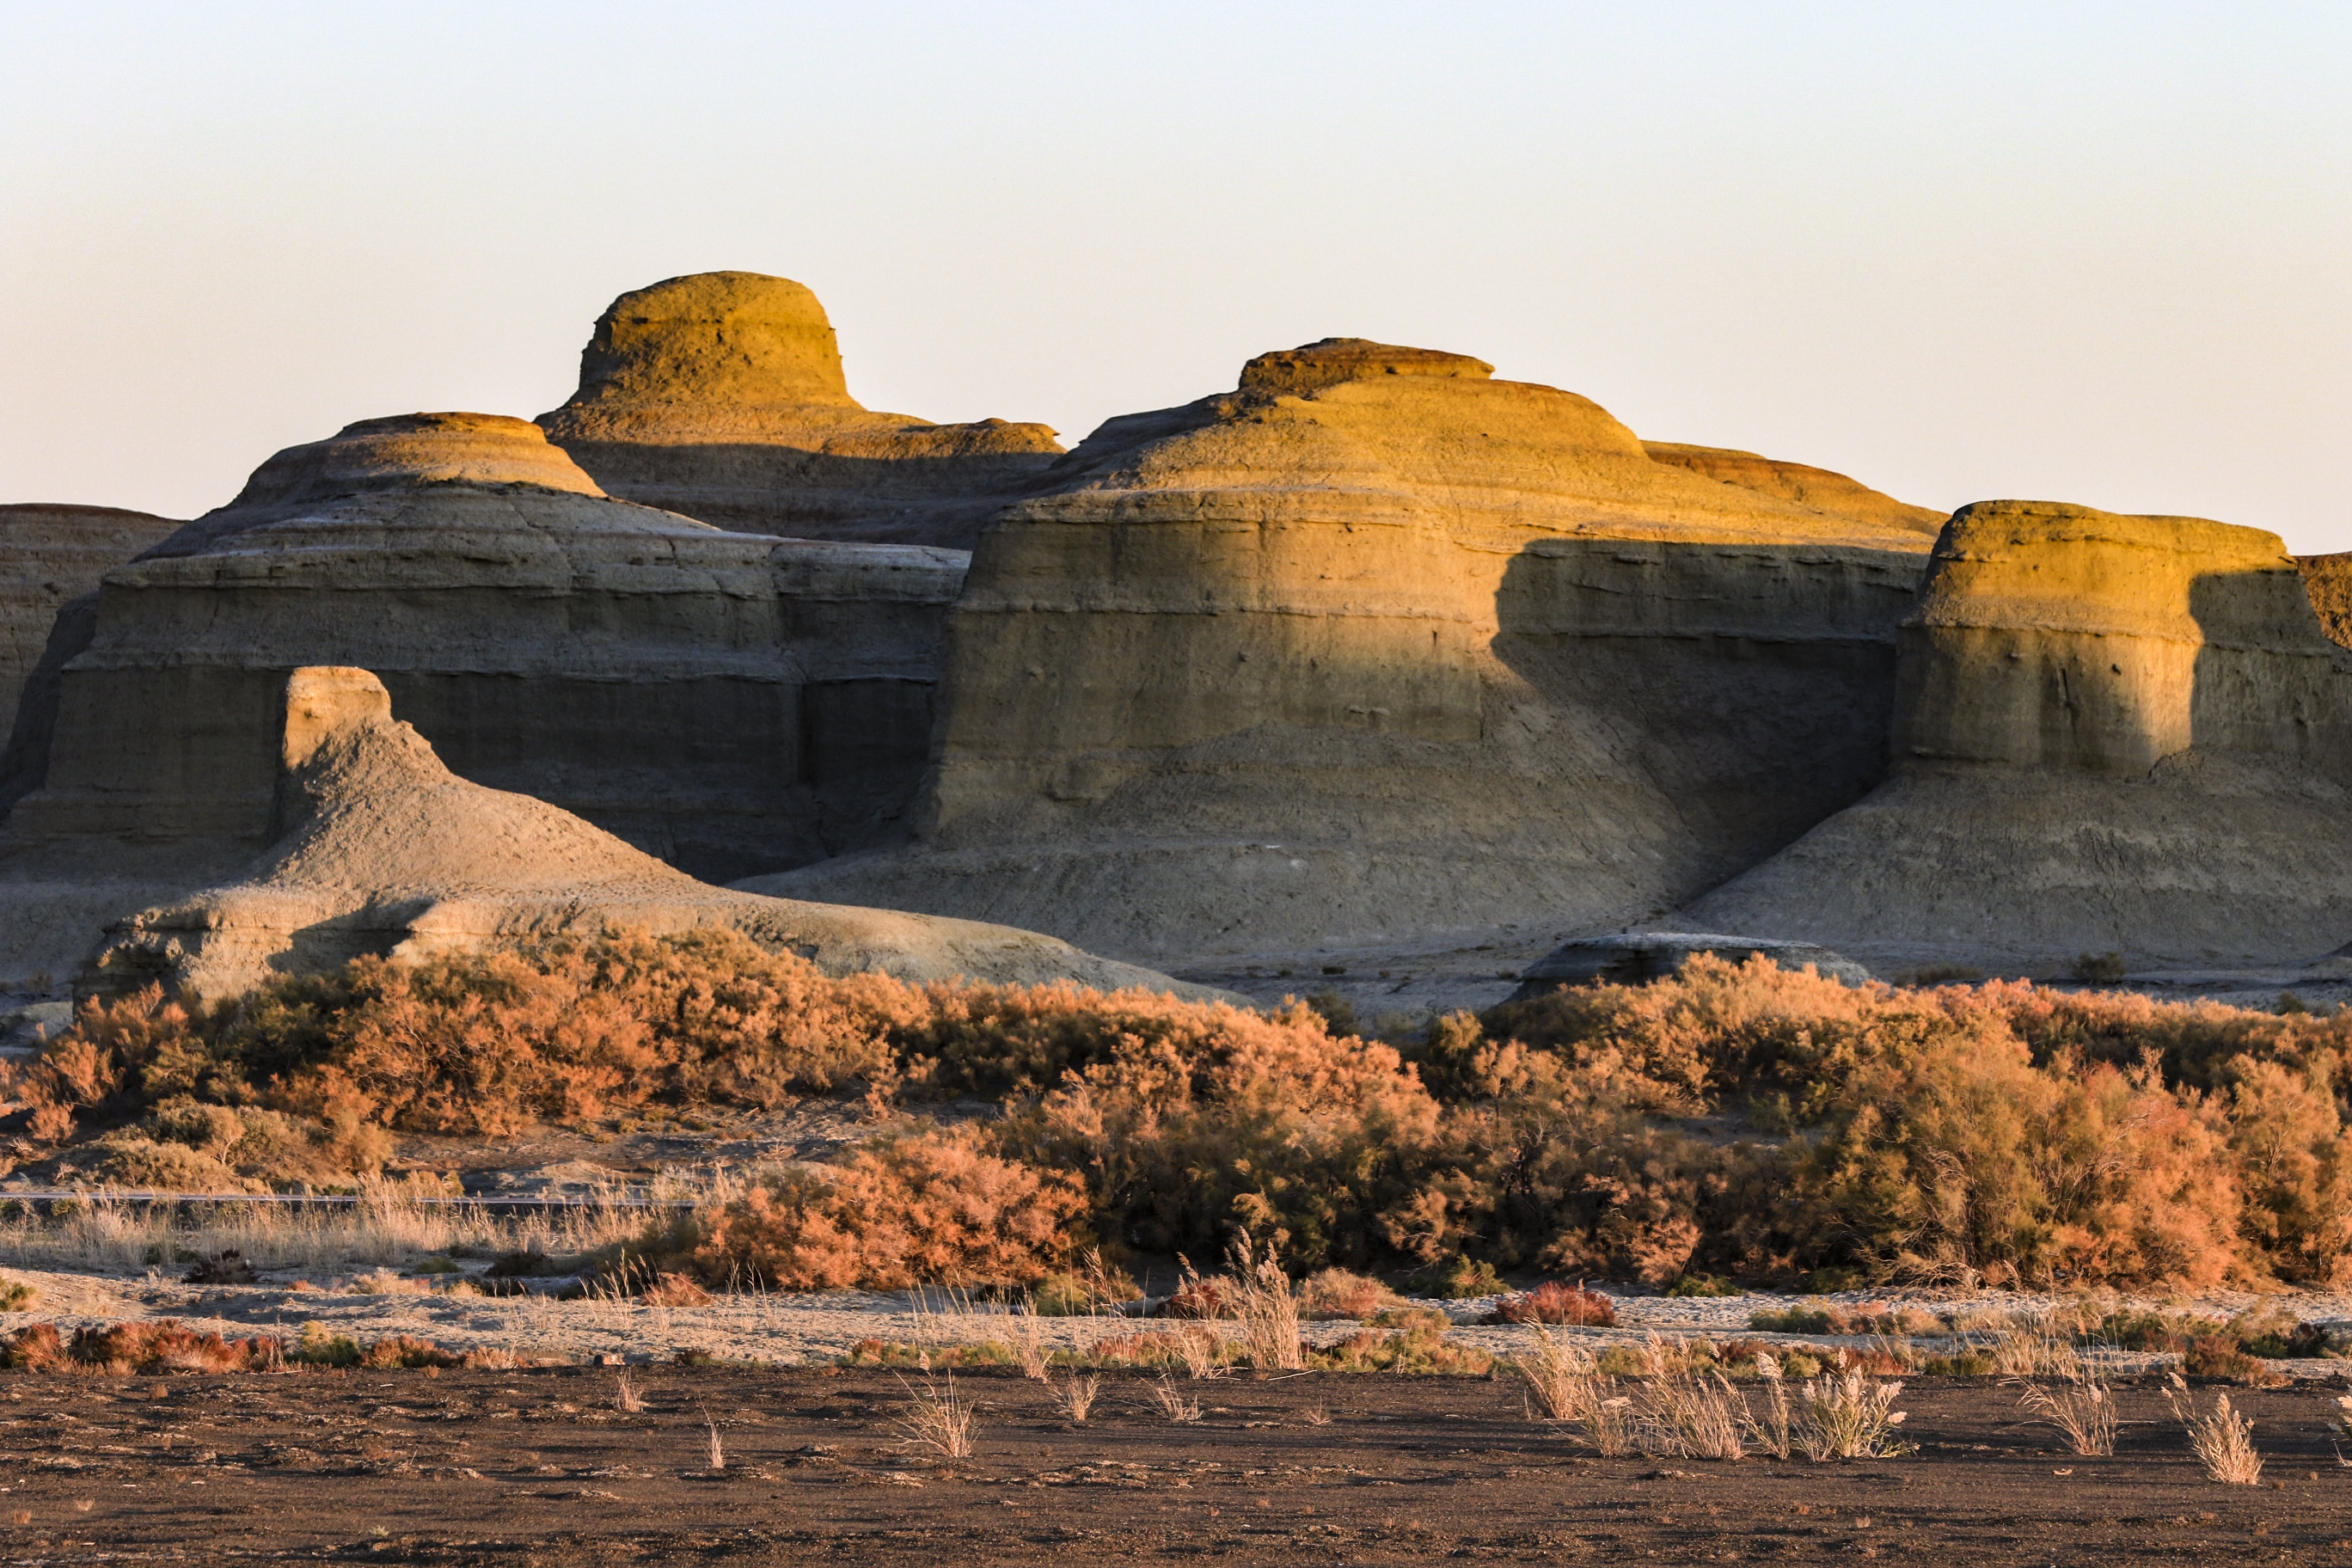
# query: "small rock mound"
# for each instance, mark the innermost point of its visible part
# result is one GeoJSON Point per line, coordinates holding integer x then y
{"type": "Point", "coordinates": [383, 850]}
{"type": "Point", "coordinates": [1634, 958]}
{"type": "Point", "coordinates": [1331, 361]}
{"type": "Point", "coordinates": [722, 395]}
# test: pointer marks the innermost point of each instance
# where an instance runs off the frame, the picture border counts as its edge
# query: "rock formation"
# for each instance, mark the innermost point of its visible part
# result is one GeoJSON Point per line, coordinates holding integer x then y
{"type": "Point", "coordinates": [380, 849]}
{"type": "Point", "coordinates": [1798, 483]}
{"type": "Point", "coordinates": [2327, 580]}
{"type": "Point", "coordinates": [730, 702]}
{"type": "Point", "coordinates": [50, 557]}
{"type": "Point", "coordinates": [2112, 734]}
{"type": "Point", "coordinates": [721, 395]}
{"type": "Point", "coordinates": [1377, 652]}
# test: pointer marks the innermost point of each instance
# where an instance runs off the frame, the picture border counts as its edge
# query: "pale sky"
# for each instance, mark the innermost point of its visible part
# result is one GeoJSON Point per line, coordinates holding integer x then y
{"type": "Point", "coordinates": [2097, 253]}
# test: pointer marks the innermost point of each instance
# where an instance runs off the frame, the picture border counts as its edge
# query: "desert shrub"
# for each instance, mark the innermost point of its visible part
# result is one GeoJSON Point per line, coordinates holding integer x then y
{"type": "Point", "coordinates": [1553, 1302]}
{"type": "Point", "coordinates": [928, 1207]}
{"type": "Point", "coordinates": [2220, 1358]}
{"type": "Point", "coordinates": [1202, 1300]}
{"type": "Point", "coordinates": [1336, 1293]}
{"type": "Point", "coordinates": [1420, 1347]}
{"type": "Point", "coordinates": [160, 1345]}
{"type": "Point", "coordinates": [2130, 1330]}
{"type": "Point", "coordinates": [406, 1351]}
{"type": "Point", "coordinates": [1702, 1285]}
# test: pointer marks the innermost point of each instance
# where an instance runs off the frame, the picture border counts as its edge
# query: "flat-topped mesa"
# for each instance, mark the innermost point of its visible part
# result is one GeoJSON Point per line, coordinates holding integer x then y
{"type": "Point", "coordinates": [51, 557]}
{"type": "Point", "coordinates": [730, 702]}
{"type": "Point", "coordinates": [1799, 482]}
{"type": "Point", "coordinates": [378, 848]}
{"type": "Point", "coordinates": [2112, 733]}
{"type": "Point", "coordinates": [1376, 648]}
{"type": "Point", "coordinates": [722, 395]}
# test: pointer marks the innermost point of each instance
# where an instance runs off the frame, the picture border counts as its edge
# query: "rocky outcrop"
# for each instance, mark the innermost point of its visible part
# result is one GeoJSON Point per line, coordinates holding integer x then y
{"type": "Point", "coordinates": [721, 395]}
{"type": "Point", "coordinates": [50, 557]}
{"type": "Point", "coordinates": [2113, 733]}
{"type": "Point", "coordinates": [1634, 958]}
{"type": "Point", "coordinates": [1377, 650]}
{"type": "Point", "coordinates": [377, 848]}
{"type": "Point", "coordinates": [2327, 580]}
{"type": "Point", "coordinates": [728, 702]}
{"type": "Point", "coordinates": [1807, 486]}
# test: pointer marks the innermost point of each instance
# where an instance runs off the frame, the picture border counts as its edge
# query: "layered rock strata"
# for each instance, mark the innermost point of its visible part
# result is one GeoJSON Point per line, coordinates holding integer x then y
{"type": "Point", "coordinates": [380, 849]}
{"type": "Point", "coordinates": [1799, 482]}
{"type": "Point", "coordinates": [50, 558]}
{"type": "Point", "coordinates": [2112, 733]}
{"type": "Point", "coordinates": [721, 395]}
{"type": "Point", "coordinates": [1377, 650]}
{"type": "Point", "coordinates": [727, 702]}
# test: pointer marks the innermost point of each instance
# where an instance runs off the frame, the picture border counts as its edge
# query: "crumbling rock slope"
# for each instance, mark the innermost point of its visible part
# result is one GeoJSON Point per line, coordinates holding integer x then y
{"type": "Point", "coordinates": [728, 702]}
{"type": "Point", "coordinates": [2112, 734]}
{"type": "Point", "coordinates": [1377, 650]}
{"type": "Point", "coordinates": [721, 395]}
{"type": "Point", "coordinates": [380, 849]}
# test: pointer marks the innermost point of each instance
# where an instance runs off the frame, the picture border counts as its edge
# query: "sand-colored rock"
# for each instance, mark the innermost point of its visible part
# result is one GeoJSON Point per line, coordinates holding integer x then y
{"type": "Point", "coordinates": [2113, 734]}
{"type": "Point", "coordinates": [1378, 650]}
{"type": "Point", "coordinates": [722, 395]}
{"type": "Point", "coordinates": [51, 556]}
{"type": "Point", "coordinates": [2327, 580]}
{"type": "Point", "coordinates": [380, 849]}
{"type": "Point", "coordinates": [728, 702]}
{"type": "Point", "coordinates": [1817, 488]}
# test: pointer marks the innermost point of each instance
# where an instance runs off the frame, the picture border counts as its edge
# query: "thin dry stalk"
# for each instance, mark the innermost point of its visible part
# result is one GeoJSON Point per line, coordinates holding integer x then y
{"type": "Point", "coordinates": [1848, 1416]}
{"type": "Point", "coordinates": [717, 1450]}
{"type": "Point", "coordinates": [1572, 1387]}
{"type": "Point", "coordinates": [1268, 1308]}
{"type": "Point", "coordinates": [1176, 1404]}
{"type": "Point", "coordinates": [625, 1396]}
{"type": "Point", "coordinates": [1076, 1396]}
{"type": "Point", "coordinates": [2222, 1438]}
{"type": "Point", "coordinates": [940, 1419]}
{"type": "Point", "coordinates": [2083, 1409]}
{"type": "Point", "coordinates": [1770, 1431]}
{"type": "Point", "coordinates": [1316, 1415]}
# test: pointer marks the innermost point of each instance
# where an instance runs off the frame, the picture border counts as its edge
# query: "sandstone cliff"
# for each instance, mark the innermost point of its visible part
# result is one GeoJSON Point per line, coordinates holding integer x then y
{"type": "Point", "coordinates": [721, 395]}
{"type": "Point", "coordinates": [2112, 734]}
{"type": "Point", "coordinates": [50, 556]}
{"type": "Point", "coordinates": [1377, 650]}
{"type": "Point", "coordinates": [1798, 483]}
{"type": "Point", "coordinates": [380, 849]}
{"type": "Point", "coordinates": [728, 702]}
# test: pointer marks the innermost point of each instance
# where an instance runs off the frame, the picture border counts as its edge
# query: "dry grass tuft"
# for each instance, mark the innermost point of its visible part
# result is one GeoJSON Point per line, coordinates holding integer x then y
{"type": "Point", "coordinates": [2082, 1408]}
{"type": "Point", "coordinates": [1174, 1403]}
{"type": "Point", "coordinates": [718, 1448]}
{"type": "Point", "coordinates": [1268, 1308]}
{"type": "Point", "coordinates": [1848, 1417]}
{"type": "Point", "coordinates": [625, 1398]}
{"type": "Point", "coordinates": [941, 1418]}
{"type": "Point", "coordinates": [1196, 1347]}
{"type": "Point", "coordinates": [1076, 1396]}
{"type": "Point", "coordinates": [1572, 1386]}
{"type": "Point", "coordinates": [2221, 1437]}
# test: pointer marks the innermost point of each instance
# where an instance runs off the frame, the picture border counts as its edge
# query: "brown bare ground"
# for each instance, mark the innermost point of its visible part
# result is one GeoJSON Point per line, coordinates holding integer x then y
{"type": "Point", "coordinates": [541, 1466]}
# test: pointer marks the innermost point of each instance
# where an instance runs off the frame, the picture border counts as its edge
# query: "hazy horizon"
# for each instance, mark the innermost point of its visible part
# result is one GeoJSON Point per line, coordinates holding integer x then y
{"type": "Point", "coordinates": [2098, 254]}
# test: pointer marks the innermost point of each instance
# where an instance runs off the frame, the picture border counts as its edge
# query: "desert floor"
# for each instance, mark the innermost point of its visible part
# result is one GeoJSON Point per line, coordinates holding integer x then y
{"type": "Point", "coordinates": [542, 1465]}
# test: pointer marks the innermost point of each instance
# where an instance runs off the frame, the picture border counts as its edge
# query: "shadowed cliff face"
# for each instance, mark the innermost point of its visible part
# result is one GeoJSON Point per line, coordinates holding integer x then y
{"type": "Point", "coordinates": [721, 395]}
{"type": "Point", "coordinates": [2112, 733]}
{"type": "Point", "coordinates": [1378, 649]}
{"type": "Point", "coordinates": [728, 702]}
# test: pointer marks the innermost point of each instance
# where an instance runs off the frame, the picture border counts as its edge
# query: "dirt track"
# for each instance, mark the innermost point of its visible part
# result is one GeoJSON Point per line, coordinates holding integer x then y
{"type": "Point", "coordinates": [537, 1467]}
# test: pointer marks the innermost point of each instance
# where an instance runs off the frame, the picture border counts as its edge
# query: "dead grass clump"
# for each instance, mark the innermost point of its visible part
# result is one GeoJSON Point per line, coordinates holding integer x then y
{"type": "Point", "coordinates": [940, 1418]}
{"type": "Point", "coordinates": [2221, 1437]}
{"type": "Point", "coordinates": [1266, 1305]}
{"type": "Point", "coordinates": [1848, 1417]}
{"type": "Point", "coordinates": [1691, 1417]}
{"type": "Point", "coordinates": [1076, 1395]}
{"type": "Point", "coordinates": [1337, 1294]}
{"type": "Point", "coordinates": [2083, 1409]}
{"type": "Point", "coordinates": [1174, 1403]}
{"type": "Point", "coordinates": [1552, 1302]}
{"type": "Point", "coordinates": [1571, 1386]}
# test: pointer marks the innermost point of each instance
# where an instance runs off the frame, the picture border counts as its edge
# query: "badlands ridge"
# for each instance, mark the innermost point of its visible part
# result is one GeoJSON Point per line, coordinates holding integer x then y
{"type": "Point", "coordinates": [1373, 671]}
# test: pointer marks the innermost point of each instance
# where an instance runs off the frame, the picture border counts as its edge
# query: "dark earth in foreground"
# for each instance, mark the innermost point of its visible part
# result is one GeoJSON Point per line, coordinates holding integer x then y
{"type": "Point", "coordinates": [541, 1466]}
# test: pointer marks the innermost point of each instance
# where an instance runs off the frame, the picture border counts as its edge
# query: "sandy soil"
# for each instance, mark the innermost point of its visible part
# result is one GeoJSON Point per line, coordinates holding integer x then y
{"type": "Point", "coordinates": [540, 1468]}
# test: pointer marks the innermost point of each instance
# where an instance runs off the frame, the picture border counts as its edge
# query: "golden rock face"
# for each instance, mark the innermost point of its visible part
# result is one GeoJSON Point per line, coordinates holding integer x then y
{"type": "Point", "coordinates": [722, 395]}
